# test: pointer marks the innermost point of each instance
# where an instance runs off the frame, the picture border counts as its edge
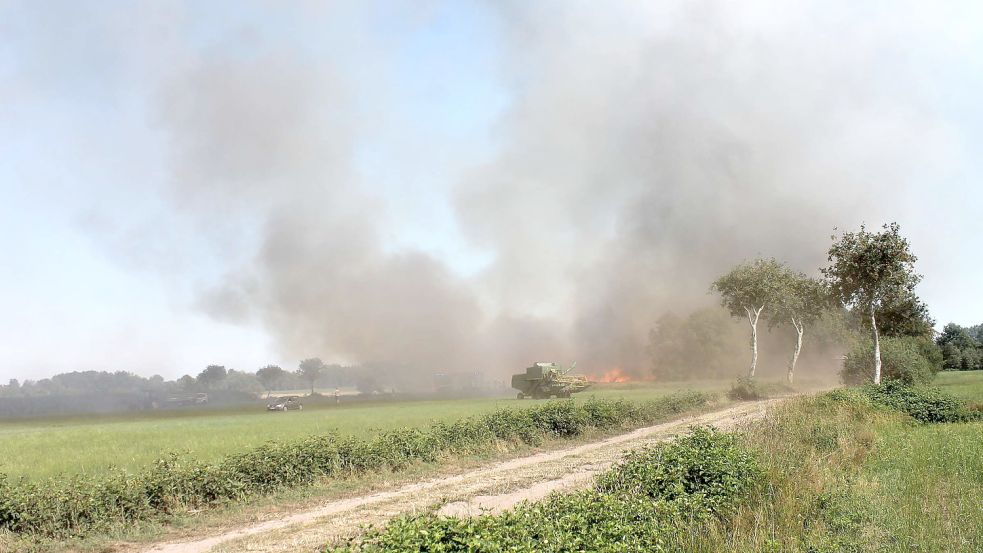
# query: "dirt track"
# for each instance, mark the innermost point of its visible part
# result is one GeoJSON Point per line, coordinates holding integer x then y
{"type": "Point", "coordinates": [492, 488]}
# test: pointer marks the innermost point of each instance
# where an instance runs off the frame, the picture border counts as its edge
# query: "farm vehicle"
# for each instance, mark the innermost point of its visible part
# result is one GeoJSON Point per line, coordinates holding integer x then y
{"type": "Point", "coordinates": [545, 380]}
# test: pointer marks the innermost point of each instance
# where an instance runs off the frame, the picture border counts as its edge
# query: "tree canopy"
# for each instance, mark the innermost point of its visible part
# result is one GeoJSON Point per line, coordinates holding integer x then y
{"type": "Point", "coordinates": [270, 376]}
{"type": "Point", "coordinates": [798, 300]}
{"type": "Point", "coordinates": [750, 286]}
{"type": "Point", "coordinates": [872, 270]}
{"type": "Point", "coordinates": [212, 375]}
{"type": "Point", "coordinates": [310, 370]}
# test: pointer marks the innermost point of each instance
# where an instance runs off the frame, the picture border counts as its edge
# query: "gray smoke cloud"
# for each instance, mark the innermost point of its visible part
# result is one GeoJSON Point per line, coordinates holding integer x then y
{"type": "Point", "coordinates": [647, 148]}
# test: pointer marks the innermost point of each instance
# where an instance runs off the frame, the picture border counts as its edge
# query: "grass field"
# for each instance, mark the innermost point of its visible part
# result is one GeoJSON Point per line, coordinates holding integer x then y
{"type": "Point", "coordinates": [967, 385]}
{"type": "Point", "coordinates": [44, 447]}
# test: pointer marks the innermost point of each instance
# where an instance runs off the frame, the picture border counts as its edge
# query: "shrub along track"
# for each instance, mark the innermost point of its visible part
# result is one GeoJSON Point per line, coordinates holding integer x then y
{"type": "Point", "coordinates": [493, 488]}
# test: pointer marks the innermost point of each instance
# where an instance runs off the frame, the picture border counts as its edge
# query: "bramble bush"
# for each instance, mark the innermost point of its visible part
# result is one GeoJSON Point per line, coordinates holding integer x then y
{"type": "Point", "coordinates": [923, 403]}
{"type": "Point", "coordinates": [636, 506]}
{"type": "Point", "coordinates": [69, 506]}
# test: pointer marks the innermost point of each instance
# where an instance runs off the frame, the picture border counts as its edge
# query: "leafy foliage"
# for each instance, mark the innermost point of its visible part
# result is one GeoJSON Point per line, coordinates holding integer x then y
{"type": "Point", "coordinates": [310, 370]}
{"type": "Point", "coordinates": [907, 317]}
{"type": "Point", "coordinates": [703, 344]}
{"type": "Point", "coordinates": [905, 359]}
{"type": "Point", "coordinates": [750, 286]}
{"type": "Point", "coordinates": [925, 404]}
{"type": "Point", "coordinates": [745, 389]}
{"type": "Point", "coordinates": [961, 350]}
{"type": "Point", "coordinates": [636, 506]}
{"type": "Point", "coordinates": [213, 374]}
{"type": "Point", "coordinates": [797, 298]}
{"type": "Point", "coordinates": [872, 270]}
{"type": "Point", "coordinates": [270, 376]}
{"type": "Point", "coordinates": [78, 505]}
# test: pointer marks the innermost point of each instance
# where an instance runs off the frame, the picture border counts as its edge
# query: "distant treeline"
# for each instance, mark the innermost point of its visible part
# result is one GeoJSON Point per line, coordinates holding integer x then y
{"type": "Point", "coordinates": [214, 378]}
{"type": "Point", "coordinates": [90, 392]}
{"type": "Point", "coordinates": [83, 392]}
{"type": "Point", "coordinates": [962, 347]}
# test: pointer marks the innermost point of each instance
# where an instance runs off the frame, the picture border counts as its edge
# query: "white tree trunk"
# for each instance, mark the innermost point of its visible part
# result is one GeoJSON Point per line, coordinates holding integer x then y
{"type": "Point", "coordinates": [752, 319]}
{"type": "Point", "coordinates": [799, 328]}
{"type": "Point", "coordinates": [877, 348]}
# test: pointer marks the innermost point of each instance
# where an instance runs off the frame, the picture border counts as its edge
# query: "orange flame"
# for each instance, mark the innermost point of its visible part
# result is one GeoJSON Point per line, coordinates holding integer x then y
{"type": "Point", "coordinates": [614, 375]}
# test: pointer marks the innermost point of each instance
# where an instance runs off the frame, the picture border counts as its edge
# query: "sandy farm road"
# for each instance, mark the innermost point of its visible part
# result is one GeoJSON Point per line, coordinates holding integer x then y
{"type": "Point", "coordinates": [492, 488]}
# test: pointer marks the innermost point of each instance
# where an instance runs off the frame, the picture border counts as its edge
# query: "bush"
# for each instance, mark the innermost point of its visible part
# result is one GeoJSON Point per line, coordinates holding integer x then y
{"type": "Point", "coordinates": [72, 506]}
{"type": "Point", "coordinates": [923, 403]}
{"type": "Point", "coordinates": [745, 389]}
{"type": "Point", "coordinates": [636, 506]}
{"type": "Point", "coordinates": [704, 463]}
{"type": "Point", "coordinates": [908, 359]}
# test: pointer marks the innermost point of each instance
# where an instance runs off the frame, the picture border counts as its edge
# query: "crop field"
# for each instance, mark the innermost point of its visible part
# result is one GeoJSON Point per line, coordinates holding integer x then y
{"type": "Point", "coordinates": [89, 445]}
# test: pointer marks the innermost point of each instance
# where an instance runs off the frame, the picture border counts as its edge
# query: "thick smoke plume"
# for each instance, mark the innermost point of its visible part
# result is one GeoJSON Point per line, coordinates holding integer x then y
{"type": "Point", "coordinates": [646, 148]}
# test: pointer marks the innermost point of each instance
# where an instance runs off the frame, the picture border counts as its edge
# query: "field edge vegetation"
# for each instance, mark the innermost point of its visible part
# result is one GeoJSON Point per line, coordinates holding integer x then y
{"type": "Point", "coordinates": [849, 470]}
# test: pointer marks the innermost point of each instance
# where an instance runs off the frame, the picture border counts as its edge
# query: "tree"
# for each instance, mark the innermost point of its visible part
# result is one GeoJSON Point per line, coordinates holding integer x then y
{"type": "Point", "coordinates": [270, 377]}
{"type": "Point", "coordinates": [960, 350]}
{"type": "Point", "coordinates": [909, 317]}
{"type": "Point", "coordinates": [872, 273]}
{"type": "Point", "coordinates": [746, 290]}
{"type": "Point", "coordinates": [213, 374]}
{"type": "Point", "coordinates": [701, 345]}
{"type": "Point", "coordinates": [800, 300]}
{"type": "Point", "coordinates": [310, 370]}
{"type": "Point", "coordinates": [187, 383]}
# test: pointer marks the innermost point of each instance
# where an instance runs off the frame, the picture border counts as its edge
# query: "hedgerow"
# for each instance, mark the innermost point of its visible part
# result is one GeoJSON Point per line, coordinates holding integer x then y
{"type": "Point", "coordinates": [78, 505]}
{"type": "Point", "coordinates": [923, 403]}
{"type": "Point", "coordinates": [636, 506]}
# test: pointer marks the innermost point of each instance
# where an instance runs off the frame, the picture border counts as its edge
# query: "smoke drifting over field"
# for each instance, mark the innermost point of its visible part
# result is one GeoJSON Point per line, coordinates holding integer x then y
{"type": "Point", "coordinates": [645, 148]}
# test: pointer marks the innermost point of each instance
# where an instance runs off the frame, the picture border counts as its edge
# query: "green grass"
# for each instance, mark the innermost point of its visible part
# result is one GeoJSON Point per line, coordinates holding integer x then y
{"type": "Point", "coordinates": [89, 445]}
{"type": "Point", "coordinates": [846, 475]}
{"type": "Point", "coordinates": [929, 490]}
{"type": "Point", "coordinates": [967, 385]}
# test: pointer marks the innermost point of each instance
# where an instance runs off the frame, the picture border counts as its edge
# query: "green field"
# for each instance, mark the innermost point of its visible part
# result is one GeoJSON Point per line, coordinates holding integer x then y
{"type": "Point", "coordinates": [967, 385]}
{"type": "Point", "coordinates": [45, 447]}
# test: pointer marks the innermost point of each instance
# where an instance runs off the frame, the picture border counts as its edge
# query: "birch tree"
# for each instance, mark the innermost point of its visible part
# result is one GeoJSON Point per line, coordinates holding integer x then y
{"type": "Point", "coordinates": [746, 291]}
{"type": "Point", "coordinates": [800, 301]}
{"type": "Point", "coordinates": [872, 272]}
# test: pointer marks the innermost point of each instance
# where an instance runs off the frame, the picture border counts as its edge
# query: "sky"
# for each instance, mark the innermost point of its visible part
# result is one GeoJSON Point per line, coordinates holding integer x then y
{"type": "Point", "coordinates": [429, 183]}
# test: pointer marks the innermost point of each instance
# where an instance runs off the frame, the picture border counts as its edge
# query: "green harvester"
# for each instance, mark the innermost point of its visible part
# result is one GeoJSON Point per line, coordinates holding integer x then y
{"type": "Point", "coordinates": [545, 380]}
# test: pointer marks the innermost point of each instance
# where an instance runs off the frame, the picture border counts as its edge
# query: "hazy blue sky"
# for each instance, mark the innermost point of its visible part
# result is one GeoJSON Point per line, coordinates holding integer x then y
{"type": "Point", "coordinates": [117, 118]}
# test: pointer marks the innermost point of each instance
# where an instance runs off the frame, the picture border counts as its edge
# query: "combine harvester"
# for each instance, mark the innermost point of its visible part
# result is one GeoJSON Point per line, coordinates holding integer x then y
{"type": "Point", "coordinates": [545, 380]}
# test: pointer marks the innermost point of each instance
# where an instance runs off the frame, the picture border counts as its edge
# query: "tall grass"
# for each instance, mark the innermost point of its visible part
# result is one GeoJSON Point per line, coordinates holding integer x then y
{"type": "Point", "coordinates": [846, 474]}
